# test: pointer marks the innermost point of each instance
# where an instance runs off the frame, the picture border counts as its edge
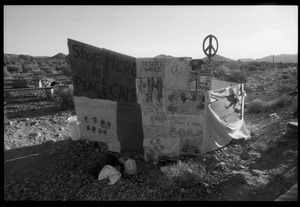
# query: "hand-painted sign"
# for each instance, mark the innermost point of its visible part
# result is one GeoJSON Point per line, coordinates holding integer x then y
{"type": "Point", "coordinates": [101, 73]}
{"type": "Point", "coordinates": [150, 67]}
{"type": "Point", "coordinates": [184, 102]}
{"type": "Point", "coordinates": [190, 129]}
{"type": "Point", "coordinates": [177, 73]}
{"type": "Point", "coordinates": [200, 76]}
{"type": "Point", "coordinates": [97, 119]}
{"type": "Point", "coordinates": [151, 98]}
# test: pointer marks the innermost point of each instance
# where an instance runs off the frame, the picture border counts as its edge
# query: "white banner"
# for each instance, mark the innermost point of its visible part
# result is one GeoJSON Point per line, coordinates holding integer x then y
{"type": "Point", "coordinates": [97, 120]}
{"type": "Point", "coordinates": [150, 67]}
{"type": "Point", "coordinates": [150, 95]}
{"type": "Point", "coordinates": [177, 73]}
{"type": "Point", "coordinates": [184, 102]}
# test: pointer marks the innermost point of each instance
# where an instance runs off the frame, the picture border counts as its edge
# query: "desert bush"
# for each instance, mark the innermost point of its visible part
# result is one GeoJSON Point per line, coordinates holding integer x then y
{"type": "Point", "coordinates": [283, 100]}
{"type": "Point", "coordinates": [65, 98]}
{"type": "Point", "coordinates": [287, 88]}
{"type": "Point", "coordinates": [66, 69]}
{"type": "Point", "coordinates": [14, 68]}
{"type": "Point", "coordinates": [38, 73]}
{"type": "Point", "coordinates": [260, 106]}
{"type": "Point", "coordinates": [185, 174]}
{"type": "Point", "coordinates": [221, 70]}
{"type": "Point", "coordinates": [257, 106]}
{"type": "Point", "coordinates": [237, 76]}
{"type": "Point", "coordinates": [285, 76]}
{"type": "Point", "coordinates": [6, 74]}
{"type": "Point", "coordinates": [252, 68]}
{"type": "Point", "coordinates": [29, 68]}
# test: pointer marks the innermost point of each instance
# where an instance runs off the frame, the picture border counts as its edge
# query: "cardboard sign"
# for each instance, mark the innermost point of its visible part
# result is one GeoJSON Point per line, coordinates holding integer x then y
{"type": "Point", "coordinates": [184, 102]}
{"type": "Point", "coordinates": [150, 67]}
{"type": "Point", "coordinates": [130, 131]}
{"type": "Point", "coordinates": [200, 76]}
{"type": "Point", "coordinates": [151, 98]}
{"type": "Point", "coordinates": [97, 120]}
{"type": "Point", "coordinates": [101, 73]}
{"type": "Point", "coordinates": [177, 73]}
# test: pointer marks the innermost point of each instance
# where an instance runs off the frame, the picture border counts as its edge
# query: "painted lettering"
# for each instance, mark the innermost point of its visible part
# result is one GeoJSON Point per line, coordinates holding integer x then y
{"type": "Point", "coordinates": [80, 52]}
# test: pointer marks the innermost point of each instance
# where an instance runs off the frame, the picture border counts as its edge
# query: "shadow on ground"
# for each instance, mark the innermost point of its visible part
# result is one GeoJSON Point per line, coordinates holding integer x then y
{"type": "Point", "coordinates": [28, 162]}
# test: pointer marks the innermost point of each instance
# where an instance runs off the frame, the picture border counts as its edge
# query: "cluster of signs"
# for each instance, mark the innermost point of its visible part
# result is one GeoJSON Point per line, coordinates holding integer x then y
{"type": "Point", "coordinates": [155, 105]}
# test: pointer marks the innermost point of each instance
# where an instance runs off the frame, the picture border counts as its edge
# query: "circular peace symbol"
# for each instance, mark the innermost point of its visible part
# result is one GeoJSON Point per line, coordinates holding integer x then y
{"type": "Point", "coordinates": [208, 50]}
{"type": "Point", "coordinates": [176, 70]}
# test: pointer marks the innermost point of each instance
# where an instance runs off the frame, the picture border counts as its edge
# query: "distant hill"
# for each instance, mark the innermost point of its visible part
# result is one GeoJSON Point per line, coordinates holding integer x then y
{"type": "Point", "coordinates": [284, 58]}
{"type": "Point", "coordinates": [163, 56]}
{"type": "Point", "coordinates": [59, 56]}
{"type": "Point", "coordinates": [219, 58]}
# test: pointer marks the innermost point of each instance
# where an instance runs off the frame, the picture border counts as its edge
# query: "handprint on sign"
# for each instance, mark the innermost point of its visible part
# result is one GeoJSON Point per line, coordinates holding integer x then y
{"type": "Point", "coordinates": [173, 108]}
{"type": "Point", "coordinates": [95, 120]}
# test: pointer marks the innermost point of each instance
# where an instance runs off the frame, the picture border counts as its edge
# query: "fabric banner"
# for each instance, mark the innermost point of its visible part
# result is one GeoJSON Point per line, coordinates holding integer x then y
{"type": "Point", "coordinates": [184, 102]}
{"type": "Point", "coordinates": [224, 118]}
{"type": "Point", "coordinates": [150, 67]}
{"type": "Point", "coordinates": [228, 103]}
{"type": "Point", "coordinates": [97, 120]}
{"type": "Point", "coordinates": [129, 126]}
{"type": "Point", "coordinates": [153, 132]}
{"type": "Point", "coordinates": [101, 73]}
{"type": "Point", "coordinates": [190, 129]}
{"type": "Point", "coordinates": [218, 133]}
{"type": "Point", "coordinates": [177, 73]}
{"type": "Point", "coordinates": [151, 98]}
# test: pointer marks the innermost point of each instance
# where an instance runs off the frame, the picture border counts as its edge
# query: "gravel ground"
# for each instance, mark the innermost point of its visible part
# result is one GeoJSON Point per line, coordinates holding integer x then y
{"type": "Point", "coordinates": [243, 170]}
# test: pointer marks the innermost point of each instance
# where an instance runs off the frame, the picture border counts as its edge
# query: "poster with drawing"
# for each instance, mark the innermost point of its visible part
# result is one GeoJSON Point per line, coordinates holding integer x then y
{"type": "Point", "coordinates": [97, 118]}
{"type": "Point", "coordinates": [200, 76]}
{"type": "Point", "coordinates": [152, 132]}
{"type": "Point", "coordinates": [150, 67]}
{"type": "Point", "coordinates": [190, 129]}
{"type": "Point", "coordinates": [150, 94]}
{"type": "Point", "coordinates": [184, 102]}
{"type": "Point", "coordinates": [177, 71]}
{"type": "Point", "coordinates": [154, 148]}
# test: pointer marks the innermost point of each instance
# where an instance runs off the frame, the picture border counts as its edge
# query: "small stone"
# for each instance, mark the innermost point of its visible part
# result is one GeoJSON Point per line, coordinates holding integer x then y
{"type": "Point", "coordinates": [207, 155]}
{"type": "Point", "coordinates": [33, 123]}
{"type": "Point", "coordinates": [34, 135]}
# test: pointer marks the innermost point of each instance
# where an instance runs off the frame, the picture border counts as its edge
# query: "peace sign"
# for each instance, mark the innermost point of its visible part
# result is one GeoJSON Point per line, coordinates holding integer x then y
{"type": "Point", "coordinates": [209, 48]}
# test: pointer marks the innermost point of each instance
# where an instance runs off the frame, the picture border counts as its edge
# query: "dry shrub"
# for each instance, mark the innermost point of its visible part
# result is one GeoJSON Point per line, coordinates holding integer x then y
{"type": "Point", "coordinates": [221, 70]}
{"type": "Point", "coordinates": [257, 106]}
{"type": "Point", "coordinates": [185, 174]}
{"type": "Point", "coordinates": [237, 76]}
{"type": "Point", "coordinates": [260, 106]}
{"type": "Point", "coordinates": [65, 98]}
{"type": "Point", "coordinates": [283, 100]}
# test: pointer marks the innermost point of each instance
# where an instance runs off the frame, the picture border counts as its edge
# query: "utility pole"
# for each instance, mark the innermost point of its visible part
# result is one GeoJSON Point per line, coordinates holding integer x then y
{"type": "Point", "coordinates": [273, 61]}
